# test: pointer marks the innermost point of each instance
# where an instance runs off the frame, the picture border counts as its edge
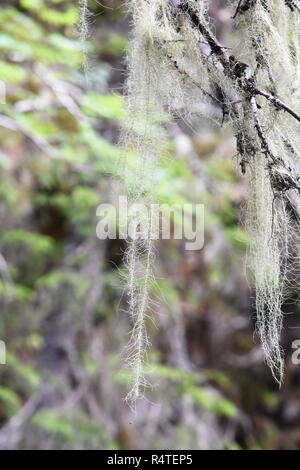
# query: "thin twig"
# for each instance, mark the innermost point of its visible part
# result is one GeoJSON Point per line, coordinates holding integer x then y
{"type": "Point", "coordinates": [278, 103]}
{"type": "Point", "coordinates": [237, 9]}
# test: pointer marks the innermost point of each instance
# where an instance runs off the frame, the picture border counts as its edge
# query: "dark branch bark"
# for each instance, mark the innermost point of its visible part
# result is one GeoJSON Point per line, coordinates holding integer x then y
{"type": "Point", "coordinates": [292, 4]}
{"type": "Point", "coordinates": [278, 103]}
{"type": "Point", "coordinates": [242, 7]}
{"type": "Point", "coordinates": [257, 124]}
{"type": "Point", "coordinates": [215, 46]}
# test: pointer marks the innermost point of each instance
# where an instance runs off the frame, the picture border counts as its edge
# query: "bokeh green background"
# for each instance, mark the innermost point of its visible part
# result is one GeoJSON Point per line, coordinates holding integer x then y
{"type": "Point", "coordinates": [63, 315]}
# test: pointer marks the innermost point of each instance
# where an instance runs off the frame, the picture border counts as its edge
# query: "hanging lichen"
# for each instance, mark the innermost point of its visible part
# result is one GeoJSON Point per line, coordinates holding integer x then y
{"type": "Point", "coordinates": [175, 61]}
{"type": "Point", "coordinates": [84, 33]}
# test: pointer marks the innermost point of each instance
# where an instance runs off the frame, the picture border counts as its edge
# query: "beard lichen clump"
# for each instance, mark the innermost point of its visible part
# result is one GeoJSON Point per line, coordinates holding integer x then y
{"type": "Point", "coordinates": [271, 33]}
{"type": "Point", "coordinates": [177, 65]}
{"type": "Point", "coordinates": [148, 100]}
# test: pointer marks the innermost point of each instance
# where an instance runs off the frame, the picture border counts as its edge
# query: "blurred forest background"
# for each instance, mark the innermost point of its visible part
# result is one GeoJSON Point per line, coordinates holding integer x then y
{"type": "Point", "coordinates": [62, 316]}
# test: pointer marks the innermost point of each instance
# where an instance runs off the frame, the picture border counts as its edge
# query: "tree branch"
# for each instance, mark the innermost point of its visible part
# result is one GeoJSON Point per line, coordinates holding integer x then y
{"type": "Point", "coordinates": [232, 67]}
{"type": "Point", "coordinates": [278, 103]}
{"type": "Point", "coordinates": [257, 124]}
{"type": "Point", "coordinates": [282, 177]}
{"type": "Point", "coordinates": [244, 6]}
